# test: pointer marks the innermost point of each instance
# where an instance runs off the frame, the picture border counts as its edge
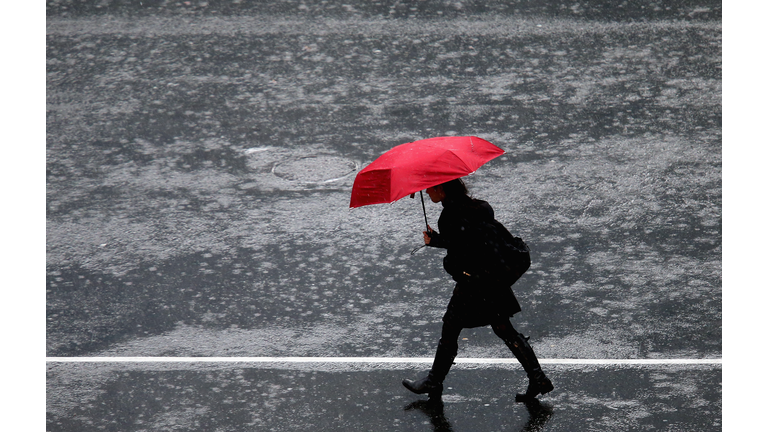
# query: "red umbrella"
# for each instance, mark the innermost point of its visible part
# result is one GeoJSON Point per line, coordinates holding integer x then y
{"type": "Point", "coordinates": [415, 166]}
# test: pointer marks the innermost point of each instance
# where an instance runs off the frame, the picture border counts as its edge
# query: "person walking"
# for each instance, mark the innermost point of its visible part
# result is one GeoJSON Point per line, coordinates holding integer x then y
{"type": "Point", "coordinates": [484, 271]}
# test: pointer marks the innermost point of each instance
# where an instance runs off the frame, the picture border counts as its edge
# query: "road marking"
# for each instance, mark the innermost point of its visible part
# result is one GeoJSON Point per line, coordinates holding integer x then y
{"type": "Point", "coordinates": [377, 360]}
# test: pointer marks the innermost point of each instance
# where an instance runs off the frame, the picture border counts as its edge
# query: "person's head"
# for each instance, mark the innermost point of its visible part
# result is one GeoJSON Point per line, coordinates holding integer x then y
{"type": "Point", "coordinates": [451, 189]}
{"type": "Point", "coordinates": [455, 188]}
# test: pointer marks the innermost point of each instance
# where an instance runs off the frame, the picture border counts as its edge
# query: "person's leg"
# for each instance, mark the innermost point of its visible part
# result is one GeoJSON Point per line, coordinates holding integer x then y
{"type": "Point", "coordinates": [446, 353]}
{"type": "Point", "coordinates": [518, 344]}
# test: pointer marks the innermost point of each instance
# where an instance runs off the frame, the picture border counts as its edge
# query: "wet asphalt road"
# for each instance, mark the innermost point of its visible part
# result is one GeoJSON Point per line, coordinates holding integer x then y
{"type": "Point", "coordinates": [160, 397]}
{"type": "Point", "coordinates": [199, 161]}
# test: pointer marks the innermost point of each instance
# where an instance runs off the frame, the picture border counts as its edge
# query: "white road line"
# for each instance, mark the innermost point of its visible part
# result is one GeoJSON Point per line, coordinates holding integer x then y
{"type": "Point", "coordinates": [378, 360]}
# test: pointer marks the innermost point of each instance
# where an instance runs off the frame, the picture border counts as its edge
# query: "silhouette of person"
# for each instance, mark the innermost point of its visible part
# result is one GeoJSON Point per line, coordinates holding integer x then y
{"type": "Point", "coordinates": [480, 297]}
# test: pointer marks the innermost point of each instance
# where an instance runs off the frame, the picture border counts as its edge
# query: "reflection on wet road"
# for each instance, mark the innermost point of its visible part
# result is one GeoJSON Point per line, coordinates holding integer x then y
{"type": "Point", "coordinates": [325, 397]}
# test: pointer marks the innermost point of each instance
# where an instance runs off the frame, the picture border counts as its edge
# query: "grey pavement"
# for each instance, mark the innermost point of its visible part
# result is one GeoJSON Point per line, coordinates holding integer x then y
{"type": "Point", "coordinates": [200, 157]}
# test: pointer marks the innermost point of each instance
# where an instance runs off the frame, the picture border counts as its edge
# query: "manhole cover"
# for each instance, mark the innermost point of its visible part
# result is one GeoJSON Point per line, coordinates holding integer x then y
{"type": "Point", "coordinates": [315, 169]}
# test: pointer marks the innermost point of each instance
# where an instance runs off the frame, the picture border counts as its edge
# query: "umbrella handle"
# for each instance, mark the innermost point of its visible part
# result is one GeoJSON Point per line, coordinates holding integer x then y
{"type": "Point", "coordinates": [424, 208]}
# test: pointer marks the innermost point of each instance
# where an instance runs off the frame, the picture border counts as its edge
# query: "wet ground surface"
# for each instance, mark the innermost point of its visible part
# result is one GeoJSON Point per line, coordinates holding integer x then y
{"type": "Point", "coordinates": [200, 157]}
{"type": "Point", "coordinates": [318, 397]}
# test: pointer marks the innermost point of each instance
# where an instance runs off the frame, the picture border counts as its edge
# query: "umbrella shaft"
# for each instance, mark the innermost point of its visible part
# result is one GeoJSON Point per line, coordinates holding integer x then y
{"type": "Point", "coordinates": [423, 207]}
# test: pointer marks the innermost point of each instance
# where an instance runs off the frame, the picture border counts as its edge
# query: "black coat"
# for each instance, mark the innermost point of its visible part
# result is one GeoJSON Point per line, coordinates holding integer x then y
{"type": "Point", "coordinates": [476, 300]}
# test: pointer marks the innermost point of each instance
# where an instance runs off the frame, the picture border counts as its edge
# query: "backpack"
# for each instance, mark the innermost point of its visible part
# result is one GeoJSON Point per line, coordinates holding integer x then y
{"type": "Point", "coordinates": [505, 257]}
{"type": "Point", "coordinates": [488, 252]}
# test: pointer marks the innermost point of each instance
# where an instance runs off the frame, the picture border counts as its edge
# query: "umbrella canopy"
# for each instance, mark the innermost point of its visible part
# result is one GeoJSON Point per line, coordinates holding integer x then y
{"type": "Point", "coordinates": [415, 166]}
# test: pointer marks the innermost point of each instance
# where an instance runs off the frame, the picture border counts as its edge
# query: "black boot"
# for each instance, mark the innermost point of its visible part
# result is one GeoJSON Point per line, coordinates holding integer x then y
{"type": "Point", "coordinates": [429, 385]}
{"type": "Point", "coordinates": [538, 384]}
{"type": "Point", "coordinates": [432, 384]}
{"type": "Point", "coordinates": [518, 344]}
